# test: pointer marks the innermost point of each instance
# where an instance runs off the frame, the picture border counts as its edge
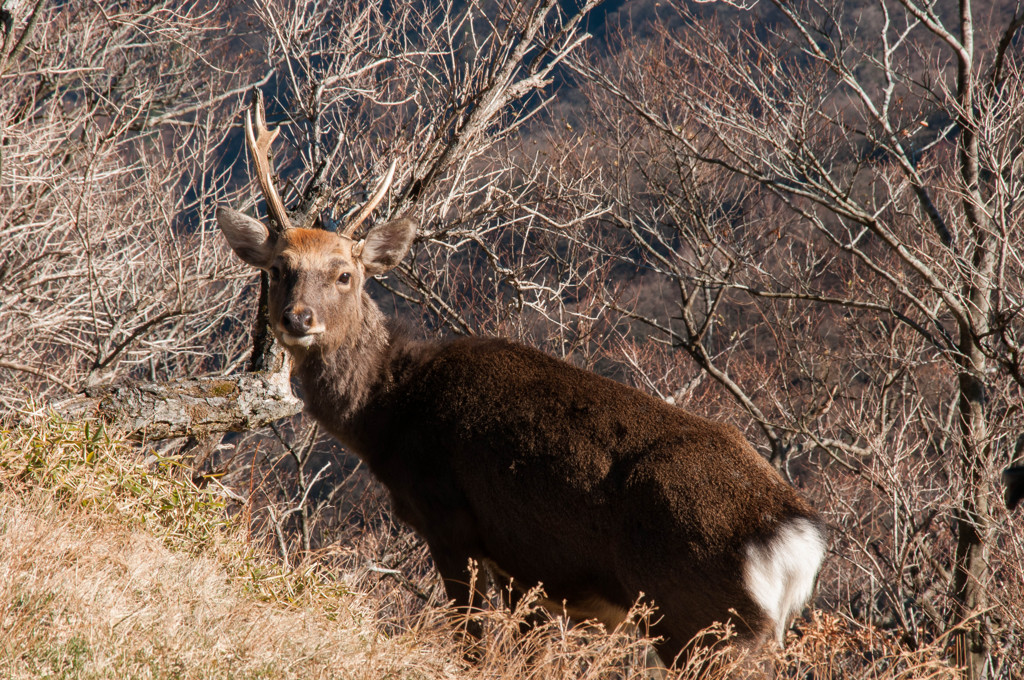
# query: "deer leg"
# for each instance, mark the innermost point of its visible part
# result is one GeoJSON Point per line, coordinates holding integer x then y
{"type": "Point", "coordinates": [463, 583]}
{"type": "Point", "coordinates": [513, 593]}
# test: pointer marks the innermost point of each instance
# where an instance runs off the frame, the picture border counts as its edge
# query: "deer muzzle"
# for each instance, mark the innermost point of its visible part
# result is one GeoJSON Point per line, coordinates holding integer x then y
{"type": "Point", "coordinates": [299, 327]}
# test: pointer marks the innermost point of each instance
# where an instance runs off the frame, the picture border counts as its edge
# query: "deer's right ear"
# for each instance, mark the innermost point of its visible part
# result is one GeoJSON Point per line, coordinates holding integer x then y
{"type": "Point", "coordinates": [248, 237]}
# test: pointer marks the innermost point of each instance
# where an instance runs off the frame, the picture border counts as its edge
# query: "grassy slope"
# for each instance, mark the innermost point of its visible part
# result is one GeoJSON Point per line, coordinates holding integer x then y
{"type": "Point", "coordinates": [111, 567]}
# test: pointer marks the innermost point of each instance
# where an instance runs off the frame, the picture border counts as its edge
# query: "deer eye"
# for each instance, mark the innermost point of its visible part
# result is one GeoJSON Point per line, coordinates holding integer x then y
{"type": "Point", "coordinates": [344, 278]}
{"type": "Point", "coordinates": [275, 273]}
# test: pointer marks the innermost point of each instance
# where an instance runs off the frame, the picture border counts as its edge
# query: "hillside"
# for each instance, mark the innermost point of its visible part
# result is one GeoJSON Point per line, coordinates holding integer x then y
{"type": "Point", "coordinates": [113, 568]}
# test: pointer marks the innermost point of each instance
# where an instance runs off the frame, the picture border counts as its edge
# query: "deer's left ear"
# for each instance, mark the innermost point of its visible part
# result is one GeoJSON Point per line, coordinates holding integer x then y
{"type": "Point", "coordinates": [386, 245]}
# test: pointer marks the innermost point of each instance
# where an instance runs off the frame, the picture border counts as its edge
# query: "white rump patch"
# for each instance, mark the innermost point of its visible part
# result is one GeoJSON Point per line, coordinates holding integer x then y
{"type": "Point", "coordinates": [780, 574]}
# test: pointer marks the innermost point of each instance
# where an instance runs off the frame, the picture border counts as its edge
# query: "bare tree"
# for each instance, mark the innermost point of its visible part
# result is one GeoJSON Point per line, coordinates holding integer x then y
{"type": "Point", "coordinates": [110, 130]}
{"type": "Point", "coordinates": [832, 191]}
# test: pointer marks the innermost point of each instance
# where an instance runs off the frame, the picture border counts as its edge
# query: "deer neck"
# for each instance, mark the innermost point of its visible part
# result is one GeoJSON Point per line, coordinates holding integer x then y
{"type": "Point", "coordinates": [338, 382]}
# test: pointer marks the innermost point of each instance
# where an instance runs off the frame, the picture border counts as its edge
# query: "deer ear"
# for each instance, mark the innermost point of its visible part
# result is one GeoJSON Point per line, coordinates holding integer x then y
{"type": "Point", "coordinates": [249, 238]}
{"type": "Point", "coordinates": [386, 245]}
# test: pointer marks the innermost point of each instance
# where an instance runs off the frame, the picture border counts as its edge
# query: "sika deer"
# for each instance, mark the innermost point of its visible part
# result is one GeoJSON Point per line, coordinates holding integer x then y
{"type": "Point", "coordinates": [541, 471]}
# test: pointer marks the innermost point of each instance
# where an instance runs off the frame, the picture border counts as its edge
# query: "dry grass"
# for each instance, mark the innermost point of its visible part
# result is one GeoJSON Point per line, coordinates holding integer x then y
{"type": "Point", "coordinates": [111, 569]}
{"type": "Point", "coordinates": [112, 566]}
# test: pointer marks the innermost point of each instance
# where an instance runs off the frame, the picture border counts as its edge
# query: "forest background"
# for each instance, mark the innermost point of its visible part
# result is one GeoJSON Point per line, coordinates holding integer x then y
{"type": "Point", "coordinates": [802, 217]}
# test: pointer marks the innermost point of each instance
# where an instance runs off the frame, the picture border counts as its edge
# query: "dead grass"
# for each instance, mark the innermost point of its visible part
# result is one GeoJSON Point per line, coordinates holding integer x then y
{"type": "Point", "coordinates": [112, 566]}
{"type": "Point", "coordinates": [830, 646]}
{"type": "Point", "coordinates": [111, 569]}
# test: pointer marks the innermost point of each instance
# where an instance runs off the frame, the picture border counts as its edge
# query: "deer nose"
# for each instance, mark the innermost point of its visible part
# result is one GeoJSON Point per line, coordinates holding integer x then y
{"type": "Point", "coordinates": [297, 321]}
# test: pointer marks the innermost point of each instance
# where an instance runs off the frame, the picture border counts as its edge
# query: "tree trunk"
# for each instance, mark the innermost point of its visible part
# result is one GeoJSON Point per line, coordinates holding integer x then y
{"type": "Point", "coordinates": [198, 407]}
{"type": "Point", "coordinates": [267, 355]}
{"type": "Point", "coordinates": [970, 568]}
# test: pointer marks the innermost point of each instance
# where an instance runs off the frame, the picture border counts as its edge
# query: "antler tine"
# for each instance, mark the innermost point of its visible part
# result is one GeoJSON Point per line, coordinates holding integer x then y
{"type": "Point", "coordinates": [378, 196]}
{"type": "Point", "coordinates": [259, 138]}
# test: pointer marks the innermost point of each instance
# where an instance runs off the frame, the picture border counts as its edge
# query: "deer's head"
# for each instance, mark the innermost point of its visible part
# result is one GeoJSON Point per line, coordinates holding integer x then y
{"type": "Point", "coordinates": [316, 276]}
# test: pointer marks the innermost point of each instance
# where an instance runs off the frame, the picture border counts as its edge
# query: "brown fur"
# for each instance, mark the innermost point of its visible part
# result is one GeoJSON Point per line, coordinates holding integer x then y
{"type": "Point", "coordinates": [499, 453]}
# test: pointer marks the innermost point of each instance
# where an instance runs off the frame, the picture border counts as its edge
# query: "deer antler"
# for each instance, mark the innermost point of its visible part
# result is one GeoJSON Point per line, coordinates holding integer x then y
{"type": "Point", "coordinates": [258, 138]}
{"type": "Point", "coordinates": [378, 196]}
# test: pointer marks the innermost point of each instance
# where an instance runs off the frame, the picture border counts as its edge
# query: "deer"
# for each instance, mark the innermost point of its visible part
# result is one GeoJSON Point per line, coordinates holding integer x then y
{"type": "Point", "coordinates": [500, 455]}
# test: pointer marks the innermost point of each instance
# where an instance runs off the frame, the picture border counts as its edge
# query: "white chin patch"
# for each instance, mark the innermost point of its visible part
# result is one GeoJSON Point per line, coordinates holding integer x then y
{"type": "Point", "coordinates": [297, 340]}
{"type": "Point", "coordinates": [780, 573]}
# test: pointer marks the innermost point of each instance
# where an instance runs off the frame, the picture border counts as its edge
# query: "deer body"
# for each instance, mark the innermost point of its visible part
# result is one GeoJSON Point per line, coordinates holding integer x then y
{"type": "Point", "coordinates": [550, 474]}
{"type": "Point", "coordinates": [541, 471]}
